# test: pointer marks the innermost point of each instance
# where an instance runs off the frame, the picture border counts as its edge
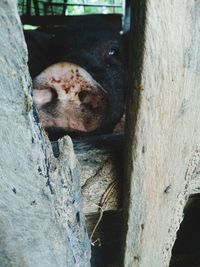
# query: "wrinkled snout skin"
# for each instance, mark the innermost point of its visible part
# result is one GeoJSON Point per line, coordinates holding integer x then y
{"type": "Point", "coordinates": [69, 99]}
{"type": "Point", "coordinates": [96, 48]}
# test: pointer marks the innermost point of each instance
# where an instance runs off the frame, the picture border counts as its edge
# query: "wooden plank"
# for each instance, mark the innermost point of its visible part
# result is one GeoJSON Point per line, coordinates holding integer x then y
{"type": "Point", "coordinates": [163, 126]}
{"type": "Point", "coordinates": [101, 163]}
{"type": "Point", "coordinates": [41, 216]}
{"type": "Point", "coordinates": [114, 19]}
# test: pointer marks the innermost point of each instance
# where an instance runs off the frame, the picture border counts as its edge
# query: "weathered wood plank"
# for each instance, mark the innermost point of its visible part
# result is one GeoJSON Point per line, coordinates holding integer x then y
{"type": "Point", "coordinates": [163, 126]}
{"type": "Point", "coordinates": [41, 218]}
{"type": "Point", "coordinates": [101, 162]}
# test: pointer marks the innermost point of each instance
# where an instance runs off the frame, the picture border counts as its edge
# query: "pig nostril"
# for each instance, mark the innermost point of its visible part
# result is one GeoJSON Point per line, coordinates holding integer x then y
{"type": "Point", "coordinates": [82, 95]}
{"type": "Point", "coordinates": [54, 94]}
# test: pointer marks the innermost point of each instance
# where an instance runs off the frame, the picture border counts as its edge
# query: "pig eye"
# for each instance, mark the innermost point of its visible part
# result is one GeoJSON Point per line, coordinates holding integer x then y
{"type": "Point", "coordinates": [114, 51]}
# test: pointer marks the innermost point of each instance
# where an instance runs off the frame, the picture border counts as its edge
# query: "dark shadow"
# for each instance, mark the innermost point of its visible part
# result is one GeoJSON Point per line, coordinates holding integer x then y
{"type": "Point", "coordinates": [108, 252]}
{"type": "Point", "coordinates": [186, 250]}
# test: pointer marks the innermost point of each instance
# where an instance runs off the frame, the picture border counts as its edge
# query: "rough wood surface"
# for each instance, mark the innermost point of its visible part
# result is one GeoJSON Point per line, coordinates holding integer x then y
{"type": "Point", "coordinates": [41, 218]}
{"type": "Point", "coordinates": [164, 126]}
{"type": "Point", "coordinates": [101, 163]}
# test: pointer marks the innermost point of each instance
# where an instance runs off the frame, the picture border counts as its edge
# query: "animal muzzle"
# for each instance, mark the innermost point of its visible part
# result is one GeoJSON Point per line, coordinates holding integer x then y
{"type": "Point", "coordinates": [67, 97]}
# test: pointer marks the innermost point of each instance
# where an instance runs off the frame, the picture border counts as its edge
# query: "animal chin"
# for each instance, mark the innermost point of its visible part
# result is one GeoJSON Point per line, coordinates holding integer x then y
{"type": "Point", "coordinates": [83, 126]}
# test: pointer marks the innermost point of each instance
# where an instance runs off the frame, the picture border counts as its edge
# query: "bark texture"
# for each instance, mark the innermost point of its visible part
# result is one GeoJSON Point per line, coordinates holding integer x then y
{"type": "Point", "coordinates": [101, 161]}
{"type": "Point", "coordinates": [163, 127]}
{"type": "Point", "coordinates": [101, 164]}
{"type": "Point", "coordinates": [41, 217]}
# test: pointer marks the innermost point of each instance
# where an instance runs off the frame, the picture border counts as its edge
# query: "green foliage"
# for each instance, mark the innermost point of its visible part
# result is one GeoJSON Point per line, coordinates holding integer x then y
{"type": "Point", "coordinates": [72, 8]}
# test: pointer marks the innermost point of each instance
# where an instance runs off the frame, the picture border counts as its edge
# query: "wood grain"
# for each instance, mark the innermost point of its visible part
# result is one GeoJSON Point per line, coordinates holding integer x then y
{"type": "Point", "coordinates": [163, 127]}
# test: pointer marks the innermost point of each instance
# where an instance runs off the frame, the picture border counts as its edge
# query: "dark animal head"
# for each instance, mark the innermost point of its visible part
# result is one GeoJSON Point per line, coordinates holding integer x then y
{"type": "Point", "coordinates": [99, 49]}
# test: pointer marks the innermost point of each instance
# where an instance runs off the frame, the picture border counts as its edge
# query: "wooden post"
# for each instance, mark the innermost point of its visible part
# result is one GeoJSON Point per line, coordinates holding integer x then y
{"type": "Point", "coordinates": [163, 126]}
{"type": "Point", "coordinates": [28, 8]}
{"type": "Point", "coordinates": [36, 7]}
{"type": "Point", "coordinates": [41, 212]}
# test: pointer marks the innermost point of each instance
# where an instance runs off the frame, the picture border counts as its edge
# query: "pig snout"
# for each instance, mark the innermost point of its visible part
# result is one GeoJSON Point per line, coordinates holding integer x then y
{"type": "Point", "coordinates": [68, 98]}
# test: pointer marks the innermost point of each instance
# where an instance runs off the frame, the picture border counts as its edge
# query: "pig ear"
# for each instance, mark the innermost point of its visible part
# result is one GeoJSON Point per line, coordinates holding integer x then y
{"type": "Point", "coordinates": [44, 96]}
{"type": "Point", "coordinates": [40, 39]}
{"type": "Point", "coordinates": [38, 51]}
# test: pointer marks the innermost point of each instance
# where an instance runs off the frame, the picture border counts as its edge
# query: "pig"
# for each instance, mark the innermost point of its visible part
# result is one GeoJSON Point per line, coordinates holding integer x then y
{"type": "Point", "coordinates": [79, 76]}
{"type": "Point", "coordinates": [69, 100]}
